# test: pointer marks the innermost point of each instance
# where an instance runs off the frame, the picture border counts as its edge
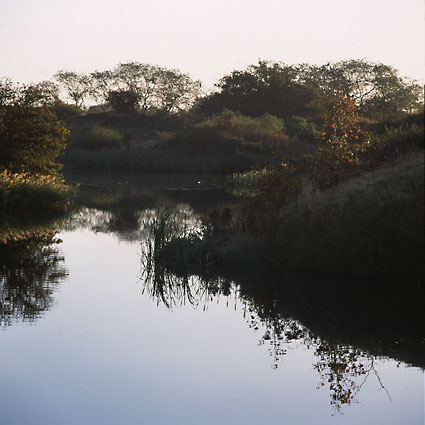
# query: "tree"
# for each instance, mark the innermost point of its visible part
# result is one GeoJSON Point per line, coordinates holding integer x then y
{"type": "Point", "coordinates": [342, 144]}
{"type": "Point", "coordinates": [176, 91]}
{"type": "Point", "coordinates": [31, 137]}
{"type": "Point", "coordinates": [139, 78]}
{"type": "Point", "coordinates": [376, 89]}
{"type": "Point", "coordinates": [157, 88]}
{"type": "Point", "coordinates": [77, 86]}
{"type": "Point", "coordinates": [123, 101]}
{"type": "Point", "coordinates": [48, 91]}
{"type": "Point", "coordinates": [7, 91]}
{"type": "Point", "coordinates": [103, 82]}
{"type": "Point", "coordinates": [266, 88]}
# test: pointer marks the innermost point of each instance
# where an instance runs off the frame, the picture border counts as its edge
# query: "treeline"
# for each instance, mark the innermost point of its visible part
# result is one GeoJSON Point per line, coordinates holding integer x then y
{"type": "Point", "coordinates": [229, 129]}
{"type": "Point", "coordinates": [128, 87]}
{"type": "Point", "coordinates": [377, 90]}
{"type": "Point", "coordinates": [305, 90]}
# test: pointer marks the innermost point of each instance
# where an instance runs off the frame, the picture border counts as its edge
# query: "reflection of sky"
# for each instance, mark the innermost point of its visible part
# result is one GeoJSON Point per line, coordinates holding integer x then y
{"type": "Point", "coordinates": [108, 355]}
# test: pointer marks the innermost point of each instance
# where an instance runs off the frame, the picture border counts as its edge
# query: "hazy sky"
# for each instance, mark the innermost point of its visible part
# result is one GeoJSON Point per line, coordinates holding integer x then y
{"type": "Point", "coordinates": [206, 38]}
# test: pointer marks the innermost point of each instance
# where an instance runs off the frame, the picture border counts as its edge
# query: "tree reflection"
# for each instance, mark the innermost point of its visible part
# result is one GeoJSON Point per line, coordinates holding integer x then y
{"type": "Point", "coordinates": [342, 369]}
{"type": "Point", "coordinates": [30, 269]}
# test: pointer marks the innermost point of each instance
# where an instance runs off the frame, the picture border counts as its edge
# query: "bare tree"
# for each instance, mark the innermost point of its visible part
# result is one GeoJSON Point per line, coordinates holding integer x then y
{"type": "Point", "coordinates": [77, 86]}
{"type": "Point", "coordinates": [102, 83]}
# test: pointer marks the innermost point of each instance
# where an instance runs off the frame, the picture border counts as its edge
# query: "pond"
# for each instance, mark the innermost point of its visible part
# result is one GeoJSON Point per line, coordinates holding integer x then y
{"type": "Point", "coordinates": [91, 335]}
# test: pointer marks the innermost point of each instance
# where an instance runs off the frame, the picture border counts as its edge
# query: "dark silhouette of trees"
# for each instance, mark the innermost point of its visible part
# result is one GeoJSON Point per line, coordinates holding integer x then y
{"type": "Point", "coordinates": [154, 87]}
{"type": "Point", "coordinates": [102, 83]}
{"type": "Point", "coordinates": [266, 88]}
{"type": "Point", "coordinates": [123, 100]}
{"type": "Point", "coordinates": [307, 90]}
{"type": "Point", "coordinates": [77, 86]}
{"type": "Point", "coordinates": [376, 89]}
{"type": "Point", "coordinates": [158, 88]}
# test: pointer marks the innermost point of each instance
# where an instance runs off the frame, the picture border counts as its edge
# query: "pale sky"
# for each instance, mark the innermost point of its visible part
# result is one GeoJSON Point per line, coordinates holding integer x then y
{"type": "Point", "coordinates": [207, 39]}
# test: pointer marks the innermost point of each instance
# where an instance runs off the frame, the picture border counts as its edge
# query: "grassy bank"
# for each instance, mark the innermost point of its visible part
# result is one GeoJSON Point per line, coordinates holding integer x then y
{"type": "Point", "coordinates": [370, 226]}
{"type": "Point", "coordinates": [139, 142]}
{"type": "Point", "coordinates": [31, 195]}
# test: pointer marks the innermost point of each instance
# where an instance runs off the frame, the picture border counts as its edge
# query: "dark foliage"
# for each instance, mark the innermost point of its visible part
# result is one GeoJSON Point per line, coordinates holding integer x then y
{"type": "Point", "coordinates": [123, 101]}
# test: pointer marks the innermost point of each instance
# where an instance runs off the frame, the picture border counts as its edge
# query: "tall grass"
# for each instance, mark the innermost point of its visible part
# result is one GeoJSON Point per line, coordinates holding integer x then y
{"type": "Point", "coordinates": [246, 183]}
{"type": "Point", "coordinates": [101, 138]}
{"type": "Point", "coordinates": [24, 194]}
{"type": "Point", "coordinates": [371, 226]}
{"type": "Point", "coordinates": [396, 141]}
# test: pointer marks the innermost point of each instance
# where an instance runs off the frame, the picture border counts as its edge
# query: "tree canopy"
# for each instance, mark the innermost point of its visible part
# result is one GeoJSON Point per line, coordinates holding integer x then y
{"type": "Point", "coordinates": [268, 87]}
{"type": "Point", "coordinates": [308, 91]}
{"type": "Point", "coordinates": [31, 136]}
{"type": "Point", "coordinates": [376, 89]}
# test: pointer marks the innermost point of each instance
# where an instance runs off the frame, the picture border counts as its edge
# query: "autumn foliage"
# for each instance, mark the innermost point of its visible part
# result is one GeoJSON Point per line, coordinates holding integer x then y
{"type": "Point", "coordinates": [342, 146]}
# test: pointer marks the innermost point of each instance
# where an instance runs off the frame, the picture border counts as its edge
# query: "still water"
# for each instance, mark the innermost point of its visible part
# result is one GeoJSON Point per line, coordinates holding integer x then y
{"type": "Point", "coordinates": [88, 337]}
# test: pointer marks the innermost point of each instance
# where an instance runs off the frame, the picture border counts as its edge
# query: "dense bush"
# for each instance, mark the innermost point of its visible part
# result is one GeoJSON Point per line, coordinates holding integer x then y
{"type": "Point", "coordinates": [31, 137]}
{"type": "Point", "coordinates": [396, 141]}
{"type": "Point", "coordinates": [265, 130]}
{"type": "Point", "coordinates": [101, 138]}
{"type": "Point", "coordinates": [301, 128]}
{"type": "Point", "coordinates": [227, 132]}
{"type": "Point", "coordinates": [65, 110]}
{"type": "Point", "coordinates": [123, 101]}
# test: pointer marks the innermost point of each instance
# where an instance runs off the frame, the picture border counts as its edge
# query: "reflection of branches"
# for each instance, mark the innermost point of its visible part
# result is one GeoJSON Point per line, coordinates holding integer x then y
{"type": "Point", "coordinates": [279, 334]}
{"type": "Point", "coordinates": [29, 273]}
{"type": "Point", "coordinates": [372, 367]}
{"type": "Point", "coordinates": [339, 366]}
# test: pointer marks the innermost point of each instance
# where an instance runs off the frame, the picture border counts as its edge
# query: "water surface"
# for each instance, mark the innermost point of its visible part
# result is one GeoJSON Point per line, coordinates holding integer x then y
{"type": "Point", "coordinates": [88, 338]}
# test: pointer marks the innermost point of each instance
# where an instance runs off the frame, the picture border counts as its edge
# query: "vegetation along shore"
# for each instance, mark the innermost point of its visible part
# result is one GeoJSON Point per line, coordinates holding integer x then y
{"type": "Point", "coordinates": [327, 160]}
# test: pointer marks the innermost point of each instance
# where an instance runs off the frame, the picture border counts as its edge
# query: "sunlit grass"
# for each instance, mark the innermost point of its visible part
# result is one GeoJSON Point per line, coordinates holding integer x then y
{"type": "Point", "coordinates": [22, 193]}
{"type": "Point", "coordinates": [245, 184]}
{"type": "Point", "coordinates": [10, 233]}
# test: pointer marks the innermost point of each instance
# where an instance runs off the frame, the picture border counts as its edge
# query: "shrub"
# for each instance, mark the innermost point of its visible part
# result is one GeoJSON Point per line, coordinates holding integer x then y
{"type": "Point", "coordinates": [342, 144]}
{"type": "Point", "coordinates": [396, 141]}
{"type": "Point", "coordinates": [31, 137]}
{"type": "Point", "coordinates": [65, 110]}
{"type": "Point", "coordinates": [265, 130]}
{"type": "Point", "coordinates": [301, 128]}
{"type": "Point", "coordinates": [101, 138]}
{"type": "Point", "coordinates": [123, 101]}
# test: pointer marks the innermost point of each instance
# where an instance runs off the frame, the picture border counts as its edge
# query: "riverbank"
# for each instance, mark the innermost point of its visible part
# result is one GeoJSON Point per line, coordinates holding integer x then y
{"type": "Point", "coordinates": [139, 142]}
{"type": "Point", "coordinates": [370, 226]}
{"type": "Point", "coordinates": [25, 195]}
